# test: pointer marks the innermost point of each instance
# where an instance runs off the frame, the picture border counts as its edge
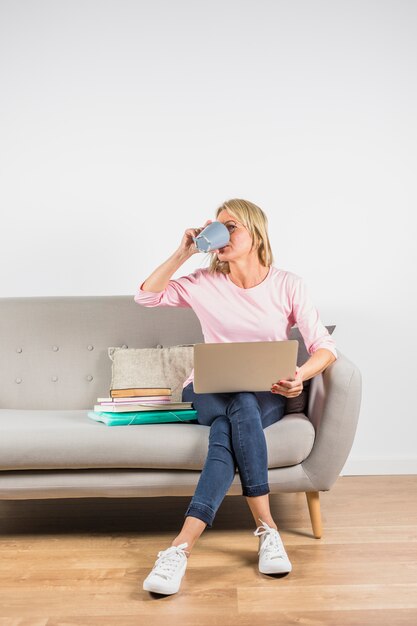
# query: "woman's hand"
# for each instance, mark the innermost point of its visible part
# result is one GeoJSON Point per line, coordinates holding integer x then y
{"type": "Point", "coordinates": [187, 245]}
{"type": "Point", "coordinates": [289, 388]}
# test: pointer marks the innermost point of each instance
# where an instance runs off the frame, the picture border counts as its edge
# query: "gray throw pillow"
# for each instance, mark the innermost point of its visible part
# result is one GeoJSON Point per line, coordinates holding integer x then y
{"type": "Point", "coordinates": [300, 403]}
{"type": "Point", "coordinates": [152, 367]}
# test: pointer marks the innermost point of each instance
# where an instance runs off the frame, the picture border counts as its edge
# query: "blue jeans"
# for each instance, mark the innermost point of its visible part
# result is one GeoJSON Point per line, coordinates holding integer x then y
{"type": "Point", "coordinates": [236, 439]}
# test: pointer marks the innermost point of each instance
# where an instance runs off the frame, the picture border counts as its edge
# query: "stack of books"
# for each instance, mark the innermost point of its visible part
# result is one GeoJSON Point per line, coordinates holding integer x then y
{"type": "Point", "coordinates": [141, 405]}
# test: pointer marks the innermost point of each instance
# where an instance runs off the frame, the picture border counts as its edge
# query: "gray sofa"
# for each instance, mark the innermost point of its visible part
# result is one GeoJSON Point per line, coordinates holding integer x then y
{"type": "Point", "coordinates": [54, 364]}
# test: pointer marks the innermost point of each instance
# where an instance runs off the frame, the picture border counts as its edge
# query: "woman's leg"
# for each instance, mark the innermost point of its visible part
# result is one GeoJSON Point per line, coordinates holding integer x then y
{"type": "Point", "coordinates": [249, 443]}
{"type": "Point", "coordinates": [239, 441]}
{"type": "Point", "coordinates": [219, 468]}
{"type": "Point", "coordinates": [248, 414]}
{"type": "Point", "coordinates": [272, 410]}
{"type": "Point", "coordinates": [259, 506]}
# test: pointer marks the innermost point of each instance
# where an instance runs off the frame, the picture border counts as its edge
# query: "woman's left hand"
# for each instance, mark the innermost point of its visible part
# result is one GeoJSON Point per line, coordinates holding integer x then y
{"type": "Point", "coordinates": [289, 388]}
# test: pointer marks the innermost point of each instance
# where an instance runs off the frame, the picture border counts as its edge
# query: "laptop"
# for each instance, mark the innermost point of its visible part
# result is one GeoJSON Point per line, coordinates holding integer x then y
{"type": "Point", "coordinates": [243, 366]}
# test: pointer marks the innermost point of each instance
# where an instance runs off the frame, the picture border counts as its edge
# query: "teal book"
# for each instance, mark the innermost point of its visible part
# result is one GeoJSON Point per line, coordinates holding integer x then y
{"type": "Point", "coordinates": [129, 418]}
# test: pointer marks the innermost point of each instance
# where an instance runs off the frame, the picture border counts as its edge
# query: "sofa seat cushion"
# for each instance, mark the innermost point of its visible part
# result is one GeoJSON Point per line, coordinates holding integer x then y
{"type": "Point", "coordinates": [69, 439]}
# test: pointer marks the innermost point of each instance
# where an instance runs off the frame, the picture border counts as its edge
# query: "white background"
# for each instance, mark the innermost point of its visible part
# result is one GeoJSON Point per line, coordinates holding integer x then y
{"type": "Point", "coordinates": [122, 123]}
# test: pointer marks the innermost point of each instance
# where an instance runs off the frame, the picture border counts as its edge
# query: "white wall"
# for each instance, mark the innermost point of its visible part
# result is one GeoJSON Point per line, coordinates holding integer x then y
{"type": "Point", "coordinates": [123, 123]}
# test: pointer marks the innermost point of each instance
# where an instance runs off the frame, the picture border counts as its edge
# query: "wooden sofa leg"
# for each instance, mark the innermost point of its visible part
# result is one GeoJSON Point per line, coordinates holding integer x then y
{"type": "Point", "coordinates": [313, 502]}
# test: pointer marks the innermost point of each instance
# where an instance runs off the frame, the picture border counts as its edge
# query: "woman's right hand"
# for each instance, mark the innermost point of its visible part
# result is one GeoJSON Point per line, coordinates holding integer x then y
{"type": "Point", "coordinates": [187, 245]}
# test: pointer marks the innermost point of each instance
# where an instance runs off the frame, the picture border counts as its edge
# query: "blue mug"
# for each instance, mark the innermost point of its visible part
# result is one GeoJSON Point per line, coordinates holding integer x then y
{"type": "Point", "coordinates": [213, 236]}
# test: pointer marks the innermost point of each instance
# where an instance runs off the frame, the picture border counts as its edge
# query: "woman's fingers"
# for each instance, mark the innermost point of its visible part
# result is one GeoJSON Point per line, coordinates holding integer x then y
{"type": "Point", "coordinates": [290, 384]}
{"type": "Point", "coordinates": [288, 388]}
{"type": "Point", "coordinates": [284, 391]}
{"type": "Point", "coordinates": [287, 395]}
{"type": "Point", "coordinates": [283, 387]}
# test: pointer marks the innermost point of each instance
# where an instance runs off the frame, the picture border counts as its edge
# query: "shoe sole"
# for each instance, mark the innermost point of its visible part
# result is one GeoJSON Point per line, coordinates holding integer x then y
{"type": "Point", "coordinates": [275, 571]}
{"type": "Point", "coordinates": [155, 589]}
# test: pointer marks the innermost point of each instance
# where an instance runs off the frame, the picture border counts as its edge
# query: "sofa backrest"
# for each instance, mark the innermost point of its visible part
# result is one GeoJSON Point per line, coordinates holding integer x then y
{"type": "Point", "coordinates": [53, 350]}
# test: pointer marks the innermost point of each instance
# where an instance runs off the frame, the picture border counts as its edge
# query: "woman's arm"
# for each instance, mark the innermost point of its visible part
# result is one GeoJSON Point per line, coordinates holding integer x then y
{"type": "Point", "coordinates": [160, 277]}
{"type": "Point", "coordinates": [307, 317]}
{"type": "Point", "coordinates": [317, 362]}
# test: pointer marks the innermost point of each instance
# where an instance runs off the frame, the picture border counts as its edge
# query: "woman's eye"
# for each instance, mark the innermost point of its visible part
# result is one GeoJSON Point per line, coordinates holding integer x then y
{"type": "Point", "coordinates": [231, 227]}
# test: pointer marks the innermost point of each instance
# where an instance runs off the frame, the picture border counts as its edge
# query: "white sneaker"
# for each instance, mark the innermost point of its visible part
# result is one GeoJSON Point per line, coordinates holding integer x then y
{"type": "Point", "coordinates": [272, 556]}
{"type": "Point", "coordinates": [169, 568]}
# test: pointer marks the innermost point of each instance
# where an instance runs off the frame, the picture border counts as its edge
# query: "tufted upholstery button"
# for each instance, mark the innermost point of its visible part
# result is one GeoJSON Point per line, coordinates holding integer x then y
{"type": "Point", "coordinates": [54, 379]}
{"type": "Point", "coordinates": [89, 377]}
{"type": "Point", "coordinates": [124, 346]}
{"type": "Point", "coordinates": [55, 348]}
{"type": "Point", "coordinates": [159, 345]}
{"type": "Point", "coordinates": [18, 349]}
{"type": "Point", "coordinates": [90, 347]}
{"type": "Point", "coordinates": [18, 380]}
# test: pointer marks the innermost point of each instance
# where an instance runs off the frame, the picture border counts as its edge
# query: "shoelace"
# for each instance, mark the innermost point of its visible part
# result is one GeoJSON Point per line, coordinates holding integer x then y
{"type": "Point", "coordinates": [169, 559]}
{"type": "Point", "coordinates": [272, 544]}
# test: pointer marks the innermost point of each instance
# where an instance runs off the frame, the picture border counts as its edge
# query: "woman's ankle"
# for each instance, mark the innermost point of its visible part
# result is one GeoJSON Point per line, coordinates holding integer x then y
{"type": "Point", "coordinates": [271, 524]}
{"type": "Point", "coordinates": [177, 542]}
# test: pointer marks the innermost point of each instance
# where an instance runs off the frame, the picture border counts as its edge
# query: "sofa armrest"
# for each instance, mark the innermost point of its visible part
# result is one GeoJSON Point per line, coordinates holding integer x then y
{"type": "Point", "coordinates": [333, 408]}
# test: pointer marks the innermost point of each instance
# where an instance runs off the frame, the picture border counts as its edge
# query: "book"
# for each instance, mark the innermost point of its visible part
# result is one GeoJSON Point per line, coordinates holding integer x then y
{"type": "Point", "coordinates": [140, 391]}
{"type": "Point", "coordinates": [143, 406]}
{"type": "Point", "coordinates": [134, 399]}
{"type": "Point", "coordinates": [147, 417]}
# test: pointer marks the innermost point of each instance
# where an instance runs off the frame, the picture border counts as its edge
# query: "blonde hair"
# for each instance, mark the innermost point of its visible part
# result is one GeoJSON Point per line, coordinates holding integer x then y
{"type": "Point", "coordinates": [256, 221]}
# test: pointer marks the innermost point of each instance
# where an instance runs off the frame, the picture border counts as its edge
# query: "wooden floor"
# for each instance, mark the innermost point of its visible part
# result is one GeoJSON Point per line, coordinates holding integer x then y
{"type": "Point", "coordinates": [82, 562]}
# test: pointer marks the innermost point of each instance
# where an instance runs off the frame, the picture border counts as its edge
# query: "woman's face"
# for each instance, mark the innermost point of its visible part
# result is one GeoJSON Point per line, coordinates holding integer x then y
{"type": "Point", "coordinates": [240, 243]}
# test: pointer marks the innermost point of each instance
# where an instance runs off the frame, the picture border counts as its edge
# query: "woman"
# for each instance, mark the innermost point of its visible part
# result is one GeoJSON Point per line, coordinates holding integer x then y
{"type": "Point", "coordinates": [241, 296]}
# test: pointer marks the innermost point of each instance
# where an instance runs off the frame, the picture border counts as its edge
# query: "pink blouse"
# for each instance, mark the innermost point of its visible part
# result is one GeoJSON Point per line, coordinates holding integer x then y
{"type": "Point", "coordinates": [265, 312]}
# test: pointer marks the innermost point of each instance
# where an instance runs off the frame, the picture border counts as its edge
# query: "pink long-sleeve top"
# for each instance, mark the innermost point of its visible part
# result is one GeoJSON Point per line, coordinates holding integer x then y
{"type": "Point", "coordinates": [228, 313]}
